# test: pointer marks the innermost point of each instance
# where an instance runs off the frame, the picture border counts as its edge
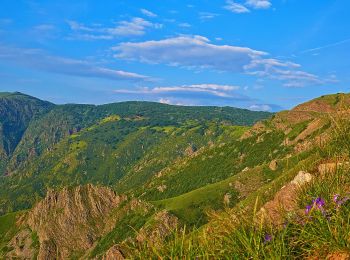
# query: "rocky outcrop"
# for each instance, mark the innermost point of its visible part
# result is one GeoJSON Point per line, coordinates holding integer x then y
{"type": "Point", "coordinates": [284, 201]}
{"type": "Point", "coordinates": [190, 150]}
{"type": "Point", "coordinates": [301, 179]}
{"type": "Point", "coordinates": [113, 254]}
{"type": "Point", "coordinates": [71, 219]}
{"type": "Point", "coordinates": [273, 165]}
{"type": "Point", "coordinates": [163, 224]}
{"type": "Point", "coordinates": [331, 167]}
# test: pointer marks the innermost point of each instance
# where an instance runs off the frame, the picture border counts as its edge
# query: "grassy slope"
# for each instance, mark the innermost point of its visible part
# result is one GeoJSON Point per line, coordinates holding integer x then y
{"type": "Point", "coordinates": [123, 142]}
{"type": "Point", "coordinates": [208, 176]}
{"type": "Point", "coordinates": [323, 233]}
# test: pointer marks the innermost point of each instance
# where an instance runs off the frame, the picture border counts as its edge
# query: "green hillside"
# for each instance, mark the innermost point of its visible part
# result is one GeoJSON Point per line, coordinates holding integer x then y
{"type": "Point", "coordinates": [120, 145]}
{"type": "Point", "coordinates": [16, 113]}
{"type": "Point", "coordinates": [181, 182]}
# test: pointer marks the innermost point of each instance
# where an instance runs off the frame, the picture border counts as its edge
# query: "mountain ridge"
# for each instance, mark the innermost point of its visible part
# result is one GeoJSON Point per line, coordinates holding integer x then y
{"type": "Point", "coordinates": [206, 174]}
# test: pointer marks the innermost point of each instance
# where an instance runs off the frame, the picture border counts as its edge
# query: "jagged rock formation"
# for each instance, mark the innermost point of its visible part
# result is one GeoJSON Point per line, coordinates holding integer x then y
{"type": "Point", "coordinates": [69, 222]}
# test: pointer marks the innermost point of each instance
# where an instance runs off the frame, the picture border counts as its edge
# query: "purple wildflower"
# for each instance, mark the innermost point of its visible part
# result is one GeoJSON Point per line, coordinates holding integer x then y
{"type": "Point", "coordinates": [335, 198]}
{"type": "Point", "coordinates": [267, 238]}
{"type": "Point", "coordinates": [308, 209]}
{"type": "Point", "coordinates": [319, 202]}
{"type": "Point", "coordinates": [338, 201]}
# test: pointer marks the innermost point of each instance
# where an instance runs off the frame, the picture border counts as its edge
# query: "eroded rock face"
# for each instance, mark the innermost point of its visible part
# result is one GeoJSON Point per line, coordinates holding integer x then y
{"type": "Point", "coordinates": [71, 219]}
{"type": "Point", "coordinates": [285, 200]}
{"type": "Point", "coordinates": [22, 246]}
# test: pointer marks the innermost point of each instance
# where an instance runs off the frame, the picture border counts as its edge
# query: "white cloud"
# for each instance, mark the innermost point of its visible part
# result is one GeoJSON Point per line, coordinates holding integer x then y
{"type": "Point", "coordinates": [259, 4]}
{"type": "Point", "coordinates": [37, 59]}
{"type": "Point", "coordinates": [235, 7]}
{"type": "Point", "coordinates": [195, 94]}
{"type": "Point", "coordinates": [148, 13]}
{"type": "Point", "coordinates": [189, 51]}
{"type": "Point", "coordinates": [197, 52]}
{"type": "Point", "coordinates": [135, 27]}
{"type": "Point", "coordinates": [212, 89]}
{"type": "Point", "coordinates": [170, 101]}
{"type": "Point", "coordinates": [165, 101]}
{"type": "Point", "coordinates": [242, 8]}
{"type": "Point", "coordinates": [288, 72]}
{"type": "Point", "coordinates": [260, 107]}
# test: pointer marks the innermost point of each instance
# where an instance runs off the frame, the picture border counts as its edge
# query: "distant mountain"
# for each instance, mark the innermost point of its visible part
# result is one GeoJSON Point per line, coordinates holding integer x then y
{"type": "Point", "coordinates": [17, 111]}
{"type": "Point", "coordinates": [43, 142]}
{"type": "Point", "coordinates": [141, 179]}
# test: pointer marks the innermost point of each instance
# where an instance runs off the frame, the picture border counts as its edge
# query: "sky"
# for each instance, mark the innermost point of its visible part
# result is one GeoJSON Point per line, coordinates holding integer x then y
{"type": "Point", "coordinates": [264, 55]}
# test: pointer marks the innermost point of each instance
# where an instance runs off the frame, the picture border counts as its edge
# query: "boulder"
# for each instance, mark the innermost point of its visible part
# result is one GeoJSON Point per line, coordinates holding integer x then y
{"type": "Point", "coordinates": [273, 165]}
{"type": "Point", "coordinates": [284, 201]}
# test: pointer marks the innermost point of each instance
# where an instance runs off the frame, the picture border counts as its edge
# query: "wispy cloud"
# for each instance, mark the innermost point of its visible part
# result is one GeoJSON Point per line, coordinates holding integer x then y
{"type": "Point", "coordinates": [148, 13]}
{"type": "Point", "coordinates": [134, 27]}
{"type": "Point", "coordinates": [189, 94]}
{"type": "Point", "coordinates": [198, 94]}
{"type": "Point", "coordinates": [39, 60]}
{"type": "Point", "coordinates": [236, 7]}
{"type": "Point", "coordinates": [260, 107]}
{"type": "Point", "coordinates": [197, 52]}
{"type": "Point", "coordinates": [259, 4]}
{"type": "Point", "coordinates": [240, 8]}
{"type": "Point", "coordinates": [334, 44]}
{"type": "Point", "coordinates": [287, 72]}
{"type": "Point", "coordinates": [207, 15]}
{"type": "Point", "coordinates": [213, 89]}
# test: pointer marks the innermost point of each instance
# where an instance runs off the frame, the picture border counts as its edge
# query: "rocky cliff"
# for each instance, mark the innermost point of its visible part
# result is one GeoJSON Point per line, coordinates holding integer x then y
{"type": "Point", "coordinates": [71, 219]}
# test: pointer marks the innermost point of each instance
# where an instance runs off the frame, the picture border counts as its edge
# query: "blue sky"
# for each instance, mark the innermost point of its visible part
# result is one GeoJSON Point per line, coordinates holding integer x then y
{"type": "Point", "coordinates": [256, 54]}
